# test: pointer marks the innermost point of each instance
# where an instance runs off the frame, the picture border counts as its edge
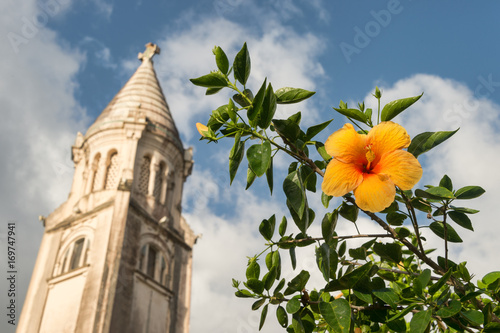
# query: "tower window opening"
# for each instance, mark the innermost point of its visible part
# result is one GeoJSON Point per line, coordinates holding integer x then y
{"type": "Point", "coordinates": [112, 172]}
{"type": "Point", "coordinates": [76, 256]}
{"type": "Point", "coordinates": [96, 173]}
{"type": "Point", "coordinates": [150, 270]}
{"type": "Point", "coordinates": [144, 173]}
{"type": "Point", "coordinates": [159, 181]}
{"type": "Point", "coordinates": [152, 262]}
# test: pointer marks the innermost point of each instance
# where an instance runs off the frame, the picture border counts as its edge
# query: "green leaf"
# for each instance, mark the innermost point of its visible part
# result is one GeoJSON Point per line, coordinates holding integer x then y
{"type": "Point", "coordinates": [320, 147]}
{"type": "Point", "coordinates": [313, 130]}
{"type": "Point", "coordinates": [269, 176]}
{"type": "Point", "coordinates": [440, 192]}
{"type": "Point", "coordinates": [293, 305]}
{"type": "Point", "coordinates": [258, 304]}
{"type": "Point", "coordinates": [254, 112]}
{"type": "Point", "coordinates": [461, 219]}
{"type": "Point", "coordinates": [263, 316]}
{"type": "Point", "coordinates": [337, 314]}
{"type": "Point", "coordinates": [297, 325]}
{"type": "Point", "coordinates": [325, 199]}
{"type": "Point", "coordinates": [212, 80]}
{"type": "Point", "coordinates": [231, 111]}
{"type": "Point", "coordinates": [403, 313]}
{"type": "Point", "coordinates": [255, 285]}
{"type": "Point", "coordinates": [421, 205]}
{"type": "Point", "coordinates": [446, 183]}
{"type": "Point", "coordinates": [298, 283]}
{"type": "Point", "coordinates": [421, 282]}
{"type": "Point", "coordinates": [253, 269]}
{"type": "Point", "coordinates": [282, 227]}
{"type": "Point", "coordinates": [438, 229]}
{"type": "Point", "coordinates": [268, 108]}
{"type": "Point", "coordinates": [350, 279]}
{"type": "Point", "coordinates": [250, 178]}
{"type": "Point", "coordinates": [492, 327]}
{"type": "Point", "coordinates": [292, 186]}
{"type": "Point", "coordinates": [259, 157]}
{"type": "Point", "coordinates": [358, 254]}
{"type": "Point", "coordinates": [387, 295]}
{"type": "Point", "coordinates": [389, 251]}
{"type": "Point", "coordinates": [287, 128]}
{"type": "Point", "coordinates": [282, 316]}
{"type": "Point", "coordinates": [420, 321]}
{"type": "Point", "coordinates": [328, 225]}
{"type": "Point", "coordinates": [269, 278]}
{"type": "Point", "coordinates": [442, 263]}
{"type": "Point", "coordinates": [266, 227]}
{"type": "Point", "coordinates": [392, 109]}
{"type": "Point", "coordinates": [323, 260]}
{"type": "Point", "coordinates": [221, 60]}
{"type": "Point", "coordinates": [243, 293]}
{"type": "Point", "coordinates": [473, 316]}
{"type": "Point", "coordinates": [435, 193]}
{"type": "Point", "coordinates": [241, 65]}
{"type": "Point", "coordinates": [235, 156]}
{"type": "Point", "coordinates": [469, 192]}
{"type": "Point", "coordinates": [293, 258]}
{"type": "Point", "coordinates": [395, 218]}
{"type": "Point", "coordinates": [449, 311]}
{"type": "Point", "coordinates": [491, 277]}
{"type": "Point", "coordinates": [352, 113]}
{"type": "Point", "coordinates": [288, 95]}
{"type": "Point", "coordinates": [241, 100]}
{"type": "Point", "coordinates": [212, 91]}
{"type": "Point", "coordinates": [440, 283]}
{"type": "Point", "coordinates": [464, 210]}
{"type": "Point", "coordinates": [364, 296]}
{"type": "Point", "coordinates": [349, 212]}
{"type": "Point", "coordinates": [424, 142]}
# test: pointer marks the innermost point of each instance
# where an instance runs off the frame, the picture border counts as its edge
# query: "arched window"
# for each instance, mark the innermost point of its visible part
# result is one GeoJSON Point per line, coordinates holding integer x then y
{"type": "Point", "coordinates": [144, 173]}
{"type": "Point", "coordinates": [112, 172]}
{"type": "Point", "coordinates": [159, 181]}
{"type": "Point", "coordinates": [75, 256]}
{"type": "Point", "coordinates": [153, 263]}
{"type": "Point", "coordinates": [96, 173]}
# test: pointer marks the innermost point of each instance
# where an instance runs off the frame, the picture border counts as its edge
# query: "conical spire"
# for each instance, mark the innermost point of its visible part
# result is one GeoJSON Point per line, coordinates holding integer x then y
{"type": "Point", "coordinates": [140, 96]}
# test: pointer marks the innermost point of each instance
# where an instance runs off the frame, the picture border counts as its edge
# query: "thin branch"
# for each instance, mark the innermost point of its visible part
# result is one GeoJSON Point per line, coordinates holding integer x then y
{"type": "Point", "coordinates": [392, 270]}
{"type": "Point", "coordinates": [413, 218]}
{"type": "Point", "coordinates": [294, 241]}
{"type": "Point", "coordinates": [445, 226]}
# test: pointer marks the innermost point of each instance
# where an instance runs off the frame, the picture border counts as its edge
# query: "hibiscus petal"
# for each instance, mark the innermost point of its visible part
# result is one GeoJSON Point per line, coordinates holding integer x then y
{"type": "Point", "coordinates": [386, 137]}
{"type": "Point", "coordinates": [375, 193]}
{"type": "Point", "coordinates": [347, 145]}
{"type": "Point", "coordinates": [402, 167]}
{"type": "Point", "coordinates": [340, 178]}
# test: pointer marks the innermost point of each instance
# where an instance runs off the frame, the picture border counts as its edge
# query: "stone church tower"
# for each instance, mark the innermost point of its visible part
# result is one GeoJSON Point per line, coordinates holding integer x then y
{"type": "Point", "coordinates": [116, 256]}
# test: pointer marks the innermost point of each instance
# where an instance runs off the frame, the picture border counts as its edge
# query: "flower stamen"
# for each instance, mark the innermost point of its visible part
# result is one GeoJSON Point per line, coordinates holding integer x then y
{"type": "Point", "coordinates": [370, 155]}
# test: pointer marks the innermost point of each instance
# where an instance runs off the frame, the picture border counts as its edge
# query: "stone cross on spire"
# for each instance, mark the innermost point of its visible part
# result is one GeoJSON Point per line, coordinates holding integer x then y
{"type": "Point", "coordinates": [151, 50]}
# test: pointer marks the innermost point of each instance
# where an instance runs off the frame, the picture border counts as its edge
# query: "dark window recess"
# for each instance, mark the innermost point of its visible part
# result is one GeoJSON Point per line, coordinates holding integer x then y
{"type": "Point", "coordinates": [151, 262]}
{"type": "Point", "coordinates": [77, 253]}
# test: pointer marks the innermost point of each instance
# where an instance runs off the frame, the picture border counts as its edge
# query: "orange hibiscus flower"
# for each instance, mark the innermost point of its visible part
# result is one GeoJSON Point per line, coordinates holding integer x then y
{"type": "Point", "coordinates": [370, 164]}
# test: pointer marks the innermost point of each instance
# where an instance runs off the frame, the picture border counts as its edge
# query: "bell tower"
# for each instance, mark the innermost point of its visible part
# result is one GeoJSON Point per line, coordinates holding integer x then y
{"type": "Point", "coordinates": [116, 256]}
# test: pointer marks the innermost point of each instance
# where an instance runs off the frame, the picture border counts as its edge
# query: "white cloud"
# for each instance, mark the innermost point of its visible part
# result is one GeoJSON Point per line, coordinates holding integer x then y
{"type": "Point", "coordinates": [40, 118]}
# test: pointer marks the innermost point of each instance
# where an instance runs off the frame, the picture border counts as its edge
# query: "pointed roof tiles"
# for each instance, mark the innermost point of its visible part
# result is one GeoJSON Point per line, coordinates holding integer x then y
{"type": "Point", "coordinates": [141, 95]}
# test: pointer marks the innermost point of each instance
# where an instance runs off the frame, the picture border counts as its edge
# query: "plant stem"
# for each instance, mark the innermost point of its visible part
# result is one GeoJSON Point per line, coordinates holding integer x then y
{"type": "Point", "coordinates": [295, 241]}
{"type": "Point", "coordinates": [413, 218]}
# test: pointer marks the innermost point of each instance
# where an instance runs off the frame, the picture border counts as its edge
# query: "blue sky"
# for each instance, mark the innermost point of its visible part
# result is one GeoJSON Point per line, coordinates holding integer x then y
{"type": "Point", "coordinates": [58, 77]}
